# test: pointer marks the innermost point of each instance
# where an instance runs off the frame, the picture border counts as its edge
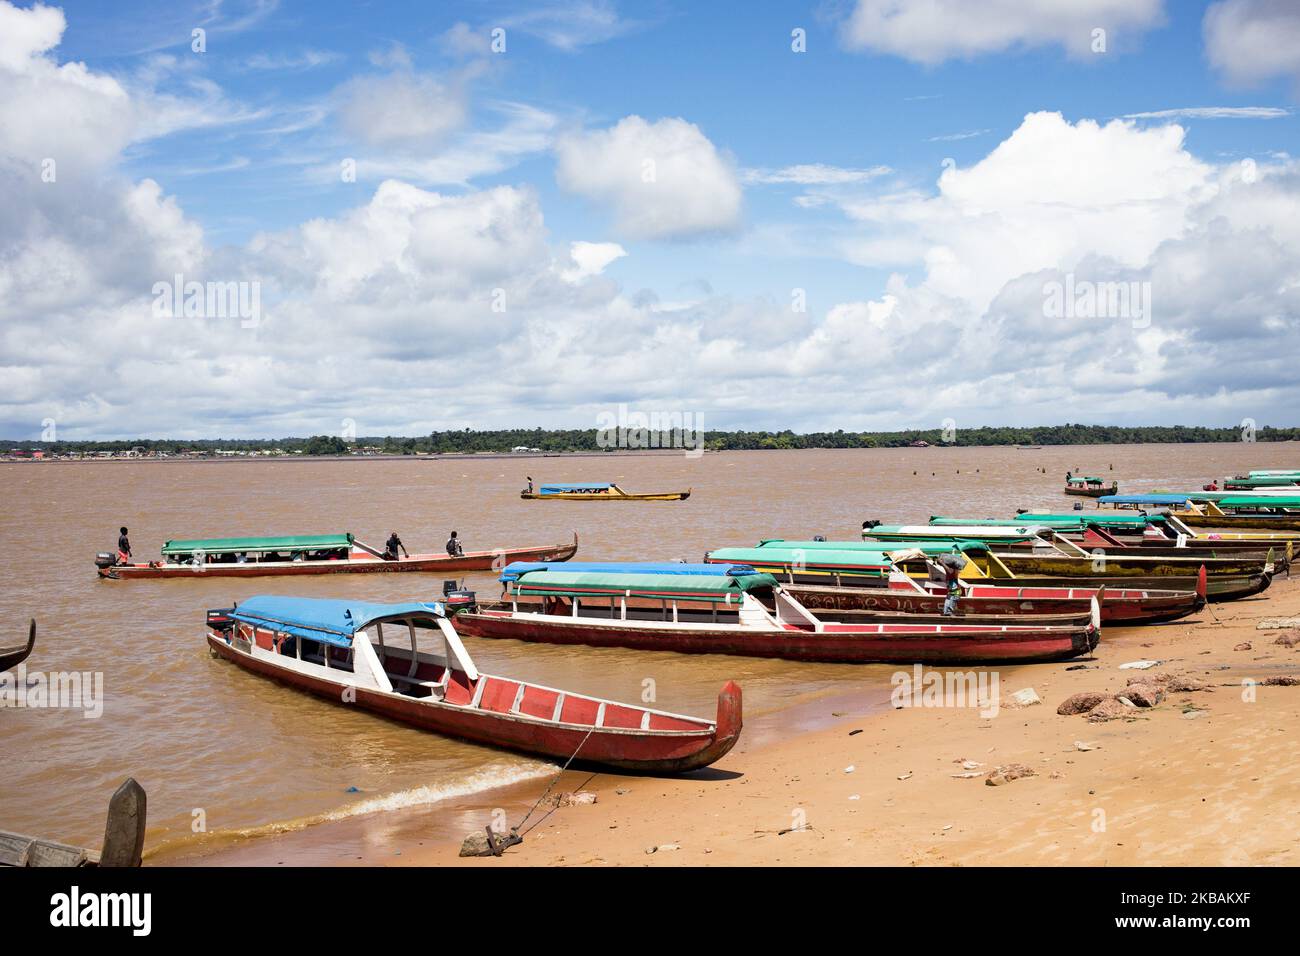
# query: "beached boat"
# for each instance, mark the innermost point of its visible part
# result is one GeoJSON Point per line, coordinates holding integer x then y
{"type": "Point", "coordinates": [1264, 512]}
{"type": "Point", "coordinates": [599, 491]}
{"type": "Point", "coordinates": [326, 647]}
{"type": "Point", "coordinates": [859, 564]}
{"type": "Point", "coordinates": [312, 554]}
{"type": "Point", "coordinates": [1256, 481]}
{"type": "Point", "coordinates": [14, 654]}
{"type": "Point", "coordinates": [711, 609]}
{"type": "Point", "coordinates": [1090, 487]}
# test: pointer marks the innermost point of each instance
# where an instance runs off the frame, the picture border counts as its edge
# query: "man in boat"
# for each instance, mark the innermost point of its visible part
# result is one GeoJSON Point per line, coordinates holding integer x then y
{"type": "Point", "coordinates": [392, 546]}
{"type": "Point", "coordinates": [123, 547]}
{"type": "Point", "coordinates": [453, 546]}
{"type": "Point", "coordinates": [529, 490]}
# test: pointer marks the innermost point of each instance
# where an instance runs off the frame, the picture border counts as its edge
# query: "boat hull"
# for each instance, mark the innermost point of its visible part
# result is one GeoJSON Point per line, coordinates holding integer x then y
{"type": "Point", "coordinates": [1123, 562]}
{"type": "Point", "coordinates": [846, 644]}
{"type": "Point", "coordinates": [623, 748]}
{"type": "Point", "coordinates": [1092, 492]}
{"type": "Point", "coordinates": [1237, 522]}
{"type": "Point", "coordinates": [359, 563]}
{"type": "Point", "coordinates": [622, 496]}
{"type": "Point", "coordinates": [1119, 607]}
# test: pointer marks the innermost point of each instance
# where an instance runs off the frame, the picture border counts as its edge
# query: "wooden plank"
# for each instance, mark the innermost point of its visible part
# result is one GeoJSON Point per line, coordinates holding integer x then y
{"type": "Point", "coordinates": [45, 853]}
{"type": "Point", "coordinates": [14, 849]}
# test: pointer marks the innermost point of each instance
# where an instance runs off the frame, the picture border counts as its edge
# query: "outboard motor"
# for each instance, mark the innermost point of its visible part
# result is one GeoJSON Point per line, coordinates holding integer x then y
{"type": "Point", "coordinates": [105, 560]}
{"type": "Point", "coordinates": [819, 537]}
{"type": "Point", "coordinates": [460, 599]}
{"type": "Point", "coordinates": [866, 526]}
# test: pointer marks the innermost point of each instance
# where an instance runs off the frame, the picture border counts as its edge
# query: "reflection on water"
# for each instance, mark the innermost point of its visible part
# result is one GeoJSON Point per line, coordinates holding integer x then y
{"type": "Point", "coordinates": [202, 735]}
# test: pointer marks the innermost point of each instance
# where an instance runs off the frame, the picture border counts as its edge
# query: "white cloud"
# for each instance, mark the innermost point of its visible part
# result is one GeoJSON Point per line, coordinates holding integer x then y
{"type": "Point", "coordinates": [954, 137]}
{"type": "Point", "coordinates": [1214, 112]}
{"type": "Point", "coordinates": [662, 180]}
{"type": "Point", "coordinates": [932, 31]}
{"type": "Point", "coordinates": [813, 174]}
{"type": "Point", "coordinates": [571, 25]}
{"type": "Point", "coordinates": [1250, 41]}
{"type": "Point", "coordinates": [590, 259]}
{"type": "Point", "coordinates": [402, 109]}
{"type": "Point", "coordinates": [291, 62]}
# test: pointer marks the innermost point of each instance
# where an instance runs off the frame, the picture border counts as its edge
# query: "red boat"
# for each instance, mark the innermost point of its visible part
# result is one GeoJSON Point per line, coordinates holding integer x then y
{"type": "Point", "coordinates": [323, 646]}
{"type": "Point", "coordinates": [312, 554]}
{"type": "Point", "coordinates": [1119, 606]}
{"type": "Point", "coordinates": [710, 609]}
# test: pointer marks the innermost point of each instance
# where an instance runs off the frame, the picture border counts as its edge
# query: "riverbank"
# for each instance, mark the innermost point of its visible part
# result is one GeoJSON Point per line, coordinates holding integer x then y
{"type": "Point", "coordinates": [1204, 778]}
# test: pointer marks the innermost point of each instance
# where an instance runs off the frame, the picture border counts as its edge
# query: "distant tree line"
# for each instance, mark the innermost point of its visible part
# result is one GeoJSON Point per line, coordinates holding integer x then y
{"type": "Point", "coordinates": [470, 441]}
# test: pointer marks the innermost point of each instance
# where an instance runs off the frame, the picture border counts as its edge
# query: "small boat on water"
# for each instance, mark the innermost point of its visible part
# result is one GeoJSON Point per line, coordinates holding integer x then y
{"type": "Point", "coordinates": [14, 654]}
{"type": "Point", "coordinates": [326, 647]}
{"type": "Point", "coordinates": [714, 609]}
{"type": "Point", "coordinates": [598, 491]}
{"type": "Point", "coordinates": [1263, 512]}
{"type": "Point", "coordinates": [311, 554]}
{"type": "Point", "coordinates": [1090, 487]}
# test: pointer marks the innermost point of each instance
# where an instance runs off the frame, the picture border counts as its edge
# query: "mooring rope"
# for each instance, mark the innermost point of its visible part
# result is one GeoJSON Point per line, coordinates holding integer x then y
{"type": "Point", "coordinates": [554, 781]}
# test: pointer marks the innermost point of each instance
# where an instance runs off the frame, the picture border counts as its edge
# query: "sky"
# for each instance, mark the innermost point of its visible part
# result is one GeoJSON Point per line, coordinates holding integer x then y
{"type": "Point", "coordinates": [251, 218]}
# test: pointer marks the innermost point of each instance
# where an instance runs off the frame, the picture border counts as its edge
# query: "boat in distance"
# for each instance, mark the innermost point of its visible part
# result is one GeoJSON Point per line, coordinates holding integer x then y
{"type": "Point", "coordinates": [598, 491]}
{"type": "Point", "coordinates": [326, 647]}
{"type": "Point", "coordinates": [312, 554]}
{"type": "Point", "coordinates": [1090, 487]}
{"type": "Point", "coordinates": [714, 609]}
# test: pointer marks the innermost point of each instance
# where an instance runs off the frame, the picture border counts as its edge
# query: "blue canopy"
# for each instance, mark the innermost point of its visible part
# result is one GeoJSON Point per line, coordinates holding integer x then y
{"type": "Point", "coordinates": [1161, 499]}
{"type": "Point", "coordinates": [588, 486]}
{"type": "Point", "coordinates": [516, 568]}
{"type": "Point", "coordinates": [330, 621]}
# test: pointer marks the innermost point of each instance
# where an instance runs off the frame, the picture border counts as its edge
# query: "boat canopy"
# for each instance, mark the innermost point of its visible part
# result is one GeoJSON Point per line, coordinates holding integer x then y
{"type": "Point", "coordinates": [1265, 481]}
{"type": "Point", "coordinates": [1259, 501]}
{"type": "Point", "coordinates": [929, 547]}
{"type": "Point", "coordinates": [331, 621]}
{"type": "Point", "coordinates": [925, 532]}
{"type": "Point", "coordinates": [862, 556]}
{"type": "Point", "coordinates": [1151, 499]}
{"type": "Point", "coordinates": [1275, 473]}
{"type": "Point", "coordinates": [561, 489]}
{"type": "Point", "coordinates": [298, 542]}
{"type": "Point", "coordinates": [692, 587]}
{"type": "Point", "coordinates": [1077, 479]}
{"type": "Point", "coordinates": [517, 568]}
{"type": "Point", "coordinates": [1101, 519]}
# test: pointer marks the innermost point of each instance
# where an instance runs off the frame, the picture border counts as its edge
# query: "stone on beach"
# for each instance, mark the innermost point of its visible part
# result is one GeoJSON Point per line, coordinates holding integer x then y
{"type": "Point", "coordinates": [1281, 680]}
{"type": "Point", "coordinates": [1144, 695]}
{"type": "Point", "coordinates": [1277, 623]}
{"type": "Point", "coordinates": [1109, 709]}
{"type": "Point", "coordinates": [1080, 703]}
{"type": "Point", "coordinates": [578, 798]}
{"type": "Point", "coordinates": [1288, 640]}
{"type": "Point", "coordinates": [1025, 698]}
{"type": "Point", "coordinates": [1243, 646]}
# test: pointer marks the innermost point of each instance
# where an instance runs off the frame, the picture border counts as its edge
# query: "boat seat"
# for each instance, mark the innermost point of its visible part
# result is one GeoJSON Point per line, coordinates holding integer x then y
{"type": "Point", "coordinates": [414, 687]}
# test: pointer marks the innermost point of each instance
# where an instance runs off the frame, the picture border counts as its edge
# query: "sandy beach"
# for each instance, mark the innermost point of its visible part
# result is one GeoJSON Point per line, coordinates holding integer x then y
{"type": "Point", "coordinates": [1203, 778]}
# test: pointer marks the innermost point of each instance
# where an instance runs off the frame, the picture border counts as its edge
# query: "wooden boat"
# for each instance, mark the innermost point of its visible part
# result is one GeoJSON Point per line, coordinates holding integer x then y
{"type": "Point", "coordinates": [858, 564]}
{"type": "Point", "coordinates": [1120, 607]}
{"type": "Point", "coordinates": [599, 491]}
{"type": "Point", "coordinates": [1090, 487]}
{"type": "Point", "coordinates": [14, 654]}
{"type": "Point", "coordinates": [123, 838]}
{"type": "Point", "coordinates": [312, 554]}
{"type": "Point", "coordinates": [326, 647]}
{"type": "Point", "coordinates": [707, 609]}
{"type": "Point", "coordinates": [1265, 512]}
{"type": "Point", "coordinates": [1257, 481]}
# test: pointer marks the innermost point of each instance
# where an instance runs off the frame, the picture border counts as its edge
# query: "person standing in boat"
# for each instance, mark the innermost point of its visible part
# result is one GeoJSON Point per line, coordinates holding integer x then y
{"type": "Point", "coordinates": [123, 547]}
{"type": "Point", "coordinates": [392, 546]}
{"type": "Point", "coordinates": [530, 485]}
{"type": "Point", "coordinates": [952, 565]}
{"type": "Point", "coordinates": [454, 549]}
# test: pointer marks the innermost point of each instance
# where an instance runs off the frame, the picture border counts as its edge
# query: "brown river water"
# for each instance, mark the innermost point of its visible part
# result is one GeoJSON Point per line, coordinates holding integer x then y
{"type": "Point", "coordinates": [245, 757]}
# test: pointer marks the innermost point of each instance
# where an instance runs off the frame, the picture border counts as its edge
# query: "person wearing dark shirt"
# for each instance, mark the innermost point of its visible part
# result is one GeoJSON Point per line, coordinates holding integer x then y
{"type": "Point", "coordinates": [453, 546]}
{"type": "Point", "coordinates": [123, 548]}
{"type": "Point", "coordinates": [392, 546]}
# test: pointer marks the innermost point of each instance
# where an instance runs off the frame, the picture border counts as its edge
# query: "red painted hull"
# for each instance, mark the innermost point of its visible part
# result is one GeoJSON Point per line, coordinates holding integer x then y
{"type": "Point", "coordinates": [1118, 607]}
{"type": "Point", "coordinates": [359, 563]}
{"type": "Point", "coordinates": [676, 749]}
{"type": "Point", "coordinates": [850, 644]}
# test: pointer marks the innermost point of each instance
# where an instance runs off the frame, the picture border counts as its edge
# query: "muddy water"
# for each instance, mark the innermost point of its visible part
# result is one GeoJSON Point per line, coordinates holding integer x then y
{"type": "Point", "coordinates": [241, 755]}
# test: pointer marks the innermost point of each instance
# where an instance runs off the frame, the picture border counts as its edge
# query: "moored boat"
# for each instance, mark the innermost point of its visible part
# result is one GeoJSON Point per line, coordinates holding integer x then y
{"type": "Point", "coordinates": [14, 654]}
{"type": "Point", "coordinates": [1263, 512]}
{"type": "Point", "coordinates": [598, 491]}
{"type": "Point", "coordinates": [326, 647]}
{"type": "Point", "coordinates": [735, 610]}
{"type": "Point", "coordinates": [1090, 487]}
{"type": "Point", "coordinates": [312, 554]}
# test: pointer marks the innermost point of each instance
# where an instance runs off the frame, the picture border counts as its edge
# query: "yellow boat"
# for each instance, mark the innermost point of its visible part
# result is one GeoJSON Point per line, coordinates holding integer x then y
{"type": "Point", "coordinates": [598, 491]}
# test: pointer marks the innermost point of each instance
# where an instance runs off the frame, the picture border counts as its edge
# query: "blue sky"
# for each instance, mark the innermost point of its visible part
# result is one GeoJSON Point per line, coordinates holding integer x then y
{"type": "Point", "coordinates": [256, 125]}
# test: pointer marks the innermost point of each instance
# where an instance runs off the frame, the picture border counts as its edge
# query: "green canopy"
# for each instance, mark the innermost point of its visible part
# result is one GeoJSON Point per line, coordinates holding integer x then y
{"type": "Point", "coordinates": [928, 545]}
{"type": "Point", "coordinates": [690, 587]}
{"type": "Point", "coordinates": [1259, 501]}
{"type": "Point", "coordinates": [299, 542]}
